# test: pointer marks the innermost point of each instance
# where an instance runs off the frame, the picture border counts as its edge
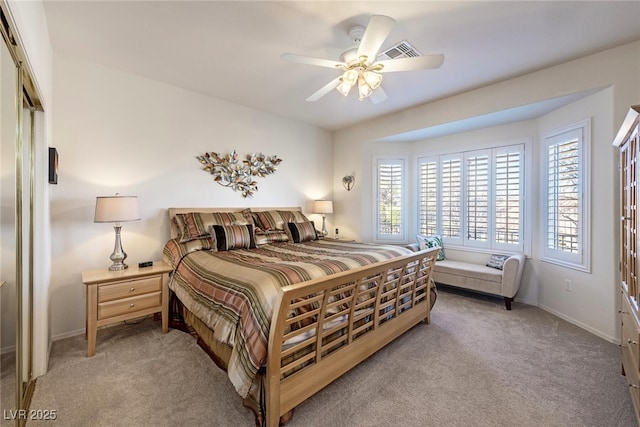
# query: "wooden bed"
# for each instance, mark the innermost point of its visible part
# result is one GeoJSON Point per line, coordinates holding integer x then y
{"type": "Point", "coordinates": [321, 328]}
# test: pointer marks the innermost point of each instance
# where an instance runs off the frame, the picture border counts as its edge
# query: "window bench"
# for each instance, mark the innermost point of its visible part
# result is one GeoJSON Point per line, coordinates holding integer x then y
{"type": "Point", "coordinates": [479, 277]}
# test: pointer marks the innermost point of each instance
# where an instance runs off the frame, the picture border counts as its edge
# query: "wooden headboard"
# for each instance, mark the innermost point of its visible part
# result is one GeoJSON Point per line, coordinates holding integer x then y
{"type": "Point", "coordinates": [174, 211]}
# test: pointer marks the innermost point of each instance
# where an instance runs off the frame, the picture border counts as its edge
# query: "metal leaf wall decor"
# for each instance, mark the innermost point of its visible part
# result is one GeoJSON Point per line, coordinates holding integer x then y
{"type": "Point", "coordinates": [230, 171]}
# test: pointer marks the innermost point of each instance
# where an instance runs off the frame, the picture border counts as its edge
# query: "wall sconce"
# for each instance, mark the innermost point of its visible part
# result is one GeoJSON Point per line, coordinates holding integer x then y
{"type": "Point", "coordinates": [348, 182]}
{"type": "Point", "coordinates": [117, 209]}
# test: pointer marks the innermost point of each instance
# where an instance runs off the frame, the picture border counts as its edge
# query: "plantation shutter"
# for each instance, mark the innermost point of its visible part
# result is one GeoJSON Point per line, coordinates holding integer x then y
{"type": "Point", "coordinates": [566, 198]}
{"type": "Point", "coordinates": [477, 198]}
{"type": "Point", "coordinates": [451, 197]}
{"type": "Point", "coordinates": [563, 200]}
{"type": "Point", "coordinates": [390, 201]}
{"type": "Point", "coordinates": [509, 196]}
{"type": "Point", "coordinates": [428, 197]}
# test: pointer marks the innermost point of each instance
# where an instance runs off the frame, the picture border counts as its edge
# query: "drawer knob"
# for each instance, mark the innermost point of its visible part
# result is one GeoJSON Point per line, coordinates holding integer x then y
{"type": "Point", "coordinates": [629, 341]}
{"type": "Point", "coordinates": [132, 289]}
{"type": "Point", "coordinates": [132, 305]}
{"type": "Point", "coordinates": [633, 386]}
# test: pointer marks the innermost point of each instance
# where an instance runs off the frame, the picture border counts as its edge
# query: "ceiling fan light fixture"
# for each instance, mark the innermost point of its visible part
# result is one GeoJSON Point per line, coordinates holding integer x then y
{"type": "Point", "coordinates": [350, 77]}
{"type": "Point", "coordinates": [363, 64]}
{"type": "Point", "coordinates": [364, 90]}
{"type": "Point", "coordinates": [344, 87]}
{"type": "Point", "coordinates": [364, 60]}
{"type": "Point", "coordinates": [373, 79]}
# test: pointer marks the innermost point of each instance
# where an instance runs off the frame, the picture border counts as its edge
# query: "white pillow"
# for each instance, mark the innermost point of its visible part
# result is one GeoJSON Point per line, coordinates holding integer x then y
{"type": "Point", "coordinates": [427, 242]}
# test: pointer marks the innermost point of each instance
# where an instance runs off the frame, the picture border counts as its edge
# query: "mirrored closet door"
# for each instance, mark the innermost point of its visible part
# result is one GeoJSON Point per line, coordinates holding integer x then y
{"type": "Point", "coordinates": [8, 233]}
{"type": "Point", "coordinates": [17, 159]}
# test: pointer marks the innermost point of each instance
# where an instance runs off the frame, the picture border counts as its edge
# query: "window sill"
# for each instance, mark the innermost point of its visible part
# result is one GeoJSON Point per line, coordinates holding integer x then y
{"type": "Point", "coordinates": [567, 264]}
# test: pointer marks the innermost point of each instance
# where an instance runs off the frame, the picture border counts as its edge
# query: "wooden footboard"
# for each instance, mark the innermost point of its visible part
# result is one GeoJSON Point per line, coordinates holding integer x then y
{"type": "Point", "coordinates": [322, 328]}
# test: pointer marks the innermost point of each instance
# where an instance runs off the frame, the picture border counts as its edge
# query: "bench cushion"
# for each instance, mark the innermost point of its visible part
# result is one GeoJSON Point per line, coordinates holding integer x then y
{"type": "Point", "coordinates": [472, 271]}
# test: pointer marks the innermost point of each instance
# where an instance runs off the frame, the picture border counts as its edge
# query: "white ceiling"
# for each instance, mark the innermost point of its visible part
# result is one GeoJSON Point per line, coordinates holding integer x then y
{"type": "Point", "coordinates": [231, 49]}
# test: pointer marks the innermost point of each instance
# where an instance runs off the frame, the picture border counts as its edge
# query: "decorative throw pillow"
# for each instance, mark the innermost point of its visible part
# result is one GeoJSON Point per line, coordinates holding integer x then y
{"type": "Point", "coordinates": [273, 236]}
{"type": "Point", "coordinates": [427, 242]}
{"type": "Point", "coordinates": [497, 261]}
{"type": "Point", "coordinates": [302, 231]}
{"type": "Point", "coordinates": [229, 237]}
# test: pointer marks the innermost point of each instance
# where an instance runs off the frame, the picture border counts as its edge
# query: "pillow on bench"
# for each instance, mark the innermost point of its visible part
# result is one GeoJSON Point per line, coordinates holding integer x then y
{"type": "Point", "coordinates": [497, 261]}
{"type": "Point", "coordinates": [427, 242]}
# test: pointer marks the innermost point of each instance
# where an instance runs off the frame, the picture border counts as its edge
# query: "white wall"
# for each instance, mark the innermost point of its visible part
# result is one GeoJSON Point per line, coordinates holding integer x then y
{"type": "Point", "coordinates": [614, 74]}
{"type": "Point", "coordinates": [592, 302]}
{"type": "Point", "coordinates": [117, 132]}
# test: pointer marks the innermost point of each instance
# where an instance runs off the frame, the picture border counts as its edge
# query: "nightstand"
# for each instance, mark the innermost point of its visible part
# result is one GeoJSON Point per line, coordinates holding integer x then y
{"type": "Point", "coordinates": [116, 296]}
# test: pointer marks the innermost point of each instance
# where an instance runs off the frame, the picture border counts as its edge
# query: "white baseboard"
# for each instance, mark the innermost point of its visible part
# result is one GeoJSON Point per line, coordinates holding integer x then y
{"type": "Point", "coordinates": [67, 335]}
{"type": "Point", "coordinates": [614, 340]}
{"type": "Point", "coordinates": [525, 301]}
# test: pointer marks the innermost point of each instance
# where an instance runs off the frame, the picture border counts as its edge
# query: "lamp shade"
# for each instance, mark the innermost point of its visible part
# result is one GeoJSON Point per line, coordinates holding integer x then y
{"type": "Point", "coordinates": [116, 209]}
{"type": "Point", "coordinates": [323, 206]}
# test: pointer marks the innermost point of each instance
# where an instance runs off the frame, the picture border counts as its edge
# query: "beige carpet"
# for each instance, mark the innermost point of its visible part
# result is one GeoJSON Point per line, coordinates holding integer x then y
{"type": "Point", "coordinates": [475, 365]}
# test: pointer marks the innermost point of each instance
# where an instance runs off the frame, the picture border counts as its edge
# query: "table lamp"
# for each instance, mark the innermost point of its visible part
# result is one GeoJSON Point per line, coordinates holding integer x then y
{"type": "Point", "coordinates": [117, 209]}
{"type": "Point", "coordinates": [323, 207]}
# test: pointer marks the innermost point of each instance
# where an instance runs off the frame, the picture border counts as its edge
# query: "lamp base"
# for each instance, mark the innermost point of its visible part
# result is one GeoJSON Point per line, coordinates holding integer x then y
{"type": "Point", "coordinates": [118, 256]}
{"type": "Point", "coordinates": [118, 267]}
{"type": "Point", "coordinates": [324, 226]}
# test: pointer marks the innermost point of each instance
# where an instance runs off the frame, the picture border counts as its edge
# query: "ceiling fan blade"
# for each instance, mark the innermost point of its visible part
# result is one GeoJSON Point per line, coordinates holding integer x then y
{"type": "Point", "coordinates": [412, 64]}
{"type": "Point", "coordinates": [378, 95]}
{"type": "Point", "coordinates": [292, 57]}
{"type": "Point", "coordinates": [324, 90]}
{"type": "Point", "coordinates": [376, 33]}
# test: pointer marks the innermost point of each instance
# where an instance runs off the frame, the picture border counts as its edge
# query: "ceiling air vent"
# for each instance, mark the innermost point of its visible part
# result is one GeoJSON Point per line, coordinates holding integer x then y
{"type": "Point", "coordinates": [401, 50]}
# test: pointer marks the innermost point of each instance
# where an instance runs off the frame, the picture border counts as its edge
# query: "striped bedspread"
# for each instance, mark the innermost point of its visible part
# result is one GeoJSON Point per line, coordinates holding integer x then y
{"type": "Point", "coordinates": [234, 292]}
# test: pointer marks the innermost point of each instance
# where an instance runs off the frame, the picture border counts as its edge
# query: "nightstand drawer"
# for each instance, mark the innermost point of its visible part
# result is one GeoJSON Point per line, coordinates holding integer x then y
{"type": "Point", "coordinates": [129, 288]}
{"type": "Point", "coordinates": [129, 305]}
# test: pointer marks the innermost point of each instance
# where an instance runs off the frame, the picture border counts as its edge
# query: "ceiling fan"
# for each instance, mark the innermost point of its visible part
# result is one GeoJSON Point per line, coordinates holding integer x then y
{"type": "Point", "coordinates": [358, 64]}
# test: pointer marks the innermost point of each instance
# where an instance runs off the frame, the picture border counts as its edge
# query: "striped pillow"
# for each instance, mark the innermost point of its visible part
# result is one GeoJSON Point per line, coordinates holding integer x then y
{"type": "Point", "coordinates": [293, 216]}
{"type": "Point", "coordinates": [276, 220]}
{"type": "Point", "coordinates": [229, 237]}
{"type": "Point", "coordinates": [302, 231]}
{"type": "Point", "coordinates": [273, 236]}
{"type": "Point", "coordinates": [196, 225]}
{"type": "Point", "coordinates": [269, 220]}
